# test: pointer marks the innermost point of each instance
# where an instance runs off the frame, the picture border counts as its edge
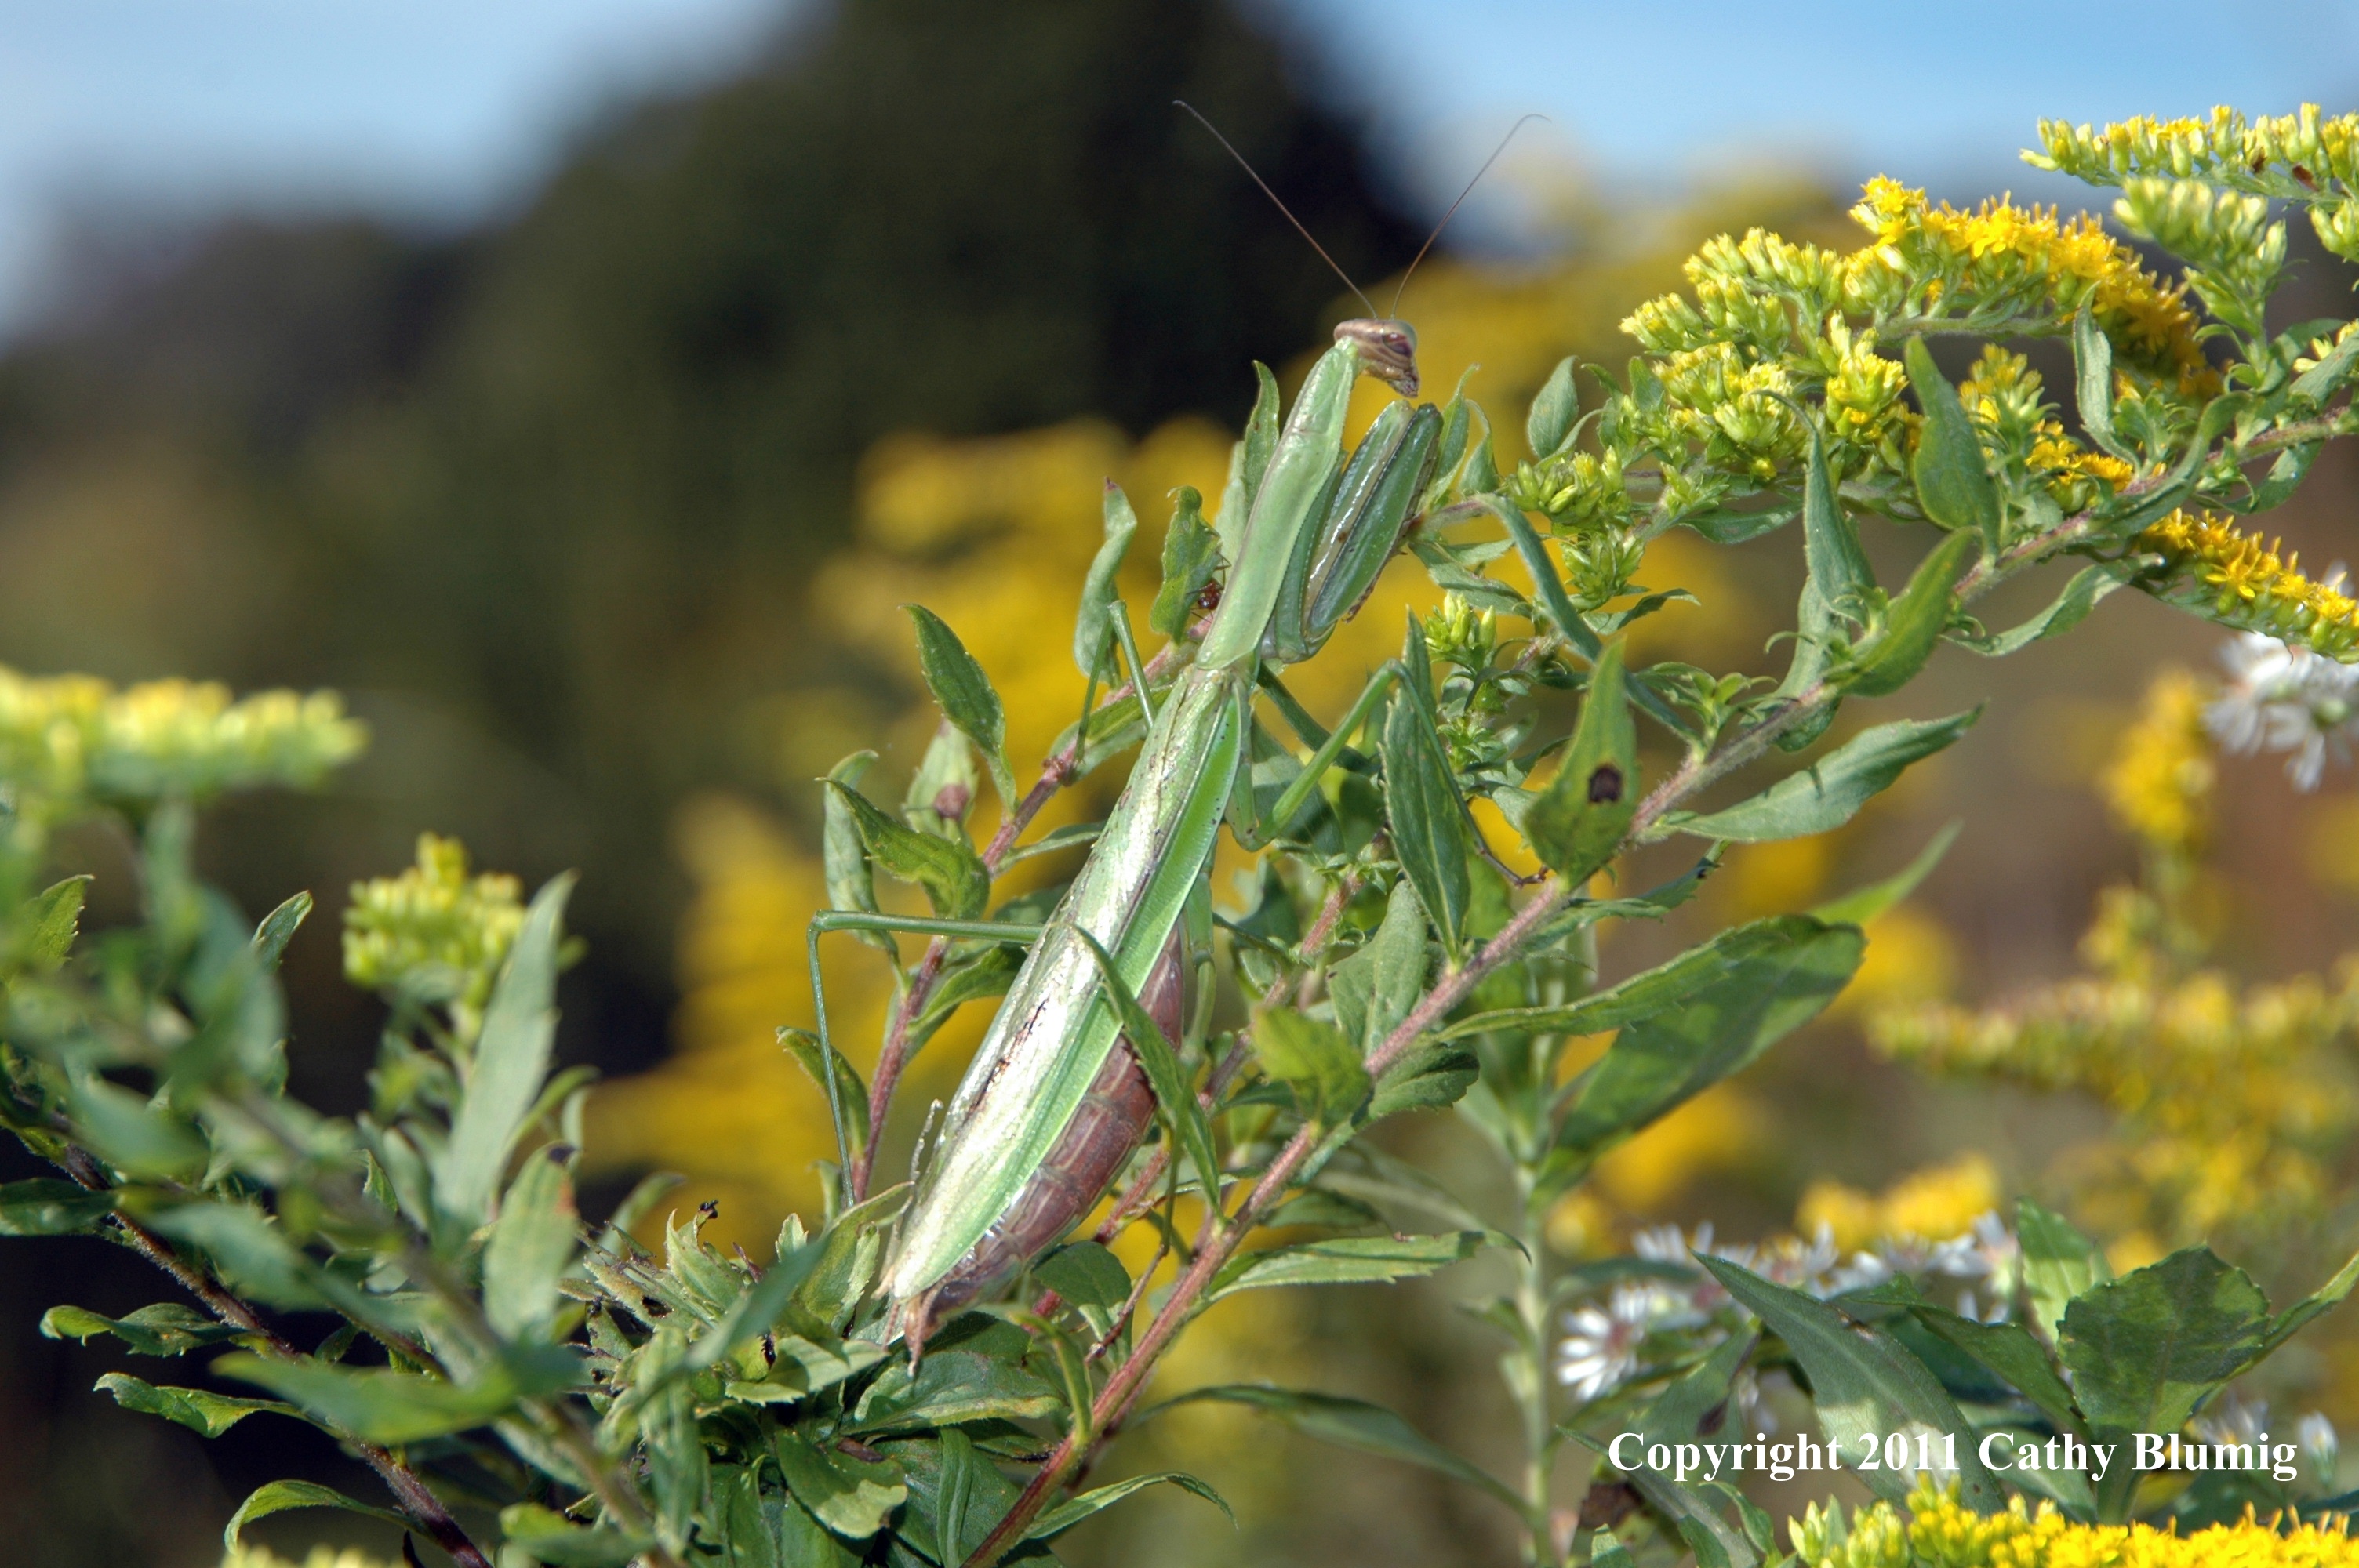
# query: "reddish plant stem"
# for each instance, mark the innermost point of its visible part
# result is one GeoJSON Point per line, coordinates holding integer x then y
{"type": "Point", "coordinates": [1060, 770]}
{"type": "Point", "coordinates": [415, 1498]}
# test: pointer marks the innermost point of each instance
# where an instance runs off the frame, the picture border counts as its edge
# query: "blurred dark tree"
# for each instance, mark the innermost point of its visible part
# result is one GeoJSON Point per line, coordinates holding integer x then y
{"type": "Point", "coordinates": [543, 497]}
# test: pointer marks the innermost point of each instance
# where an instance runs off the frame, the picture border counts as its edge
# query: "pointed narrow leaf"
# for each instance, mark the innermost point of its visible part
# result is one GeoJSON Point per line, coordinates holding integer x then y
{"type": "Point", "coordinates": [965, 694]}
{"type": "Point", "coordinates": [206, 1414]}
{"type": "Point", "coordinates": [253, 1254]}
{"type": "Point", "coordinates": [2093, 381]}
{"type": "Point", "coordinates": [1826, 795]}
{"type": "Point", "coordinates": [2319, 1302]}
{"type": "Point", "coordinates": [2067, 610]}
{"type": "Point", "coordinates": [1953, 485]}
{"type": "Point", "coordinates": [1375, 986]}
{"type": "Point", "coordinates": [1553, 412]}
{"type": "Point", "coordinates": [1678, 1415]}
{"type": "Point", "coordinates": [1191, 553]}
{"type": "Point", "coordinates": [43, 1206]}
{"type": "Point", "coordinates": [1351, 1423]}
{"type": "Point", "coordinates": [850, 1093]}
{"type": "Point", "coordinates": [1545, 581]}
{"type": "Point", "coordinates": [1093, 631]}
{"type": "Point", "coordinates": [1736, 996]}
{"type": "Point", "coordinates": [1862, 1382]}
{"type": "Point", "coordinates": [1913, 622]}
{"type": "Point", "coordinates": [48, 923]}
{"type": "Point", "coordinates": [511, 1058]}
{"type": "Point", "coordinates": [1863, 904]}
{"type": "Point", "coordinates": [1349, 1260]}
{"type": "Point", "coordinates": [1428, 822]}
{"type": "Point", "coordinates": [1579, 821]}
{"type": "Point", "coordinates": [1066, 1515]}
{"type": "Point", "coordinates": [165, 1329]}
{"type": "Point", "coordinates": [379, 1405]}
{"type": "Point", "coordinates": [1830, 549]}
{"type": "Point", "coordinates": [279, 1497]}
{"type": "Point", "coordinates": [2148, 1350]}
{"type": "Point", "coordinates": [952, 874]}
{"type": "Point", "coordinates": [2007, 1349]}
{"type": "Point", "coordinates": [851, 880]}
{"type": "Point", "coordinates": [531, 1243]}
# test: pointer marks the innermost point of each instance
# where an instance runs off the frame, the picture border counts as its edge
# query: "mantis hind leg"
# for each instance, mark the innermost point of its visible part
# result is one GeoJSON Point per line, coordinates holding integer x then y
{"type": "Point", "coordinates": [1330, 745]}
{"type": "Point", "coordinates": [850, 919]}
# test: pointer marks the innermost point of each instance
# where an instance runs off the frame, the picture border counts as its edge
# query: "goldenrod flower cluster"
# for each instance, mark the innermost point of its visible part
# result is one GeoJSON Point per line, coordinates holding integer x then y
{"type": "Point", "coordinates": [2006, 399]}
{"type": "Point", "coordinates": [433, 933]}
{"type": "Point", "coordinates": [2304, 157]}
{"type": "Point", "coordinates": [2159, 780]}
{"type": "Point", "coordinates": [65, 740]}
{"type": "Point", "coordinates": [2242, 583]}
{"type": "Point", "coordinates": [2232, 1102]}
{"type": "Point", "coordinates": [1928, 1205]}
{"type": "Point", "coordinates": [321, 1557]}
{"type": "Point", "coordinates": [1939, 1531]}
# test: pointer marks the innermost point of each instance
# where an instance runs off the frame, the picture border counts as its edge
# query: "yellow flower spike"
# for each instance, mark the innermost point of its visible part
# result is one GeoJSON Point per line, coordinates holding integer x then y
{"type": "Point", "coordinates": [2240, 582]}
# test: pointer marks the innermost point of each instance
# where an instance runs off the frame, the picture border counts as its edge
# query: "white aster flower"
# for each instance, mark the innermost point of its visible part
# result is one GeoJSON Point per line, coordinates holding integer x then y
{"type": "Point", "coordinates": [2281, 699]}
{"type": "Point", "coordinates": [2319, 1443]}
{"type": "Point", "coordinates": [1600, 1345]}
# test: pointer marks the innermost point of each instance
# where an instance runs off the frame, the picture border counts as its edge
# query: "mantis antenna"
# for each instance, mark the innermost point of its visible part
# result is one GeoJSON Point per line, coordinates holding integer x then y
{"type": "Point", "coordinates": [1388, 345]}
{"type": "Point", "coordinates": [1255, 175]}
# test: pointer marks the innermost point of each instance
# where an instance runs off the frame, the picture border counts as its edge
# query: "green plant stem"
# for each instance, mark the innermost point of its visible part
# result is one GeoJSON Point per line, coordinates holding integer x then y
{"type": "Point", "coordinates": [1526, 1364]}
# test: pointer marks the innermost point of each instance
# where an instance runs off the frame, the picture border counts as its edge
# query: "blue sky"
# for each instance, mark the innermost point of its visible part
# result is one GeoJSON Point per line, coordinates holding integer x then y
{"type": "Point", "coordinates": [440, 110]}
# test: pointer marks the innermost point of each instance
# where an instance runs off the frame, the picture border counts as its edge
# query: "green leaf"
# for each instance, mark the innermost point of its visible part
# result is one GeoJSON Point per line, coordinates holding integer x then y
{"type": "Point", "coordinates": [1348, 1260]}
{"type": "Point", "coordinates": [952, 874]}
{"type": "Point", "coordinates": [1838, 567]}
{"type": "Point", "coordinates": [1428, 1076]}
{"type": "Point", "coordinates": [2007, 1349]}
{"type": "Point", "coordinates": [1550, 585]}
{"type": "Point", "coordinates": [1913, 622]}
{"type": "Point", "coordinates": [278, 928]}
{"type": "Point", "coordinates": [1952, 484]}
{"type": "Point", "coordinates": [962, 1517]}
{"type": "Point", "coordinates": [1248, 462]}
{"type": "Point", "coordinates": [1066, 1515]}
{"type": "Point", "coordinates": [43, 1206]}
{"type": "Point", "coordinates": [511, 1058]}
{"type": "Point", "coordinates": [951, 1386]}
{"type": "Point", "coordinates": [133, 1135]}
{"type": "Point", "coordinates": [850, 881]}
{"type": "Point", "coordinates": [1093, 631]}
{"type": "Point", "coordinates": [850, 1093]}
{"type": "Point", "coordinates": [2148, 1350]}
{"type": "Point", "coordinates": [2318, 383]}
{"type": "Point", "coordinates": [1863, 904]}
{"type": "Point", "coordinates": [1703, 1017]}
{"type": "Point", "coordinates": [942, 790]}
{"type": "Point", "coordinates": [2058, 1263]}
{"type": "Point", "coordinates": [1175, 1100]}
{"type": "Point", "coordinates": [48, 923]}
{"type": "Point", "coordinates": [1825, 795]}
{"type": "Point", "coordinates": [1579, 819]}
{"type": "Point", "coordinates": [1428, 822]}
{"type": "Point", "coordinates": [548, 1537]}
{"type": "Point", "coordinates": [252, 1254]}
{"type": "Point", "coordinates": [1085, 1274]}
{"type": "Point", "coordinates": [1862, 1382]}
{"type": "Point", "coordinates": [531, 1243]}
{"type": "Point", "coordinates": [2319, 1302]}
{"type": "Point", "coordinates": [2093, 381]}
{"type": "Point", "coordinates": [1680, 1415]}
{"type": "Point", "coordinates": [165, 1329]}
{"type": "Point", "coordinates": [2066, 610]}
{"type": "Point", "coordinates": [852, 1496]}
{"type": "Point", "coordinates": [848, 1256]}
{"type": "Point", "coordinates": [279, 1497]}
{"type": "Point", "coordinates": [207, 1415]}
{"type": "Point", "coordinates": [379, 1405]}
{"type": "Point", "coordinates": [1356, 1424]}
{"type": "Point", "coordinates": [1312, 1055]}
{"type": "Point", "coordinates": [1554, 410]}
{"type": "Point", "coordinates": [1375, 986]}
{"type": "Point", "coordinates": [1191, 553]}
{"type": "Point", "coordinates": [964, 695]}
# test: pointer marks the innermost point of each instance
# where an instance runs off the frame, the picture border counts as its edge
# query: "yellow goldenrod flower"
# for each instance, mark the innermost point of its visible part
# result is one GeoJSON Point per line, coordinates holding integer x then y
{"type": "Point", "coordinates": [2236, 580]}
{"type": "Point", "coordinates": [1939, 1531]}
{"type": "Point", "coordinates": [433, 933]}
{"type": "Point", "coordinates": [2159, 783]}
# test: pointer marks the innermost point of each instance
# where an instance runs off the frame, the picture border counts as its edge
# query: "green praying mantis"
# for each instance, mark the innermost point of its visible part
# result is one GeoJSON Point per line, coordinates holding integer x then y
{"type": "Point", "coordinates": [1071, 1070]}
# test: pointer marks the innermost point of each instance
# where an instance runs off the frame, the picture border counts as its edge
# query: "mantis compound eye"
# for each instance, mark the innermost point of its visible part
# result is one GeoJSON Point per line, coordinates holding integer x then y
{"type": "Point", "coordinates": [1387, 349]}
